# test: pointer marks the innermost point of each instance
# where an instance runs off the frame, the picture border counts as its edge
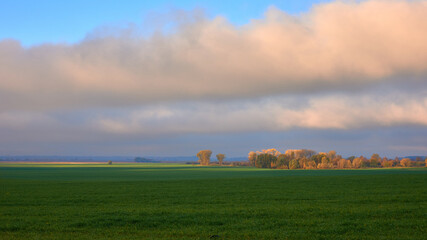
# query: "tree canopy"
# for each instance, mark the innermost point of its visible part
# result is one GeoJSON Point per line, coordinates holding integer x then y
{"type": "Point", "coordinates": [309, 159]}
{"type": "Point", "coordinates": [220, 158]}
{"type": "Point", "coordinates": [204, 157]}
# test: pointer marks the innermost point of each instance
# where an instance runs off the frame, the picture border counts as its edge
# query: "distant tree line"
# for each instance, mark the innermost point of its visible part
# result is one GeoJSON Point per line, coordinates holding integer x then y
{"type": "Point", "coordinates": [309, 159]}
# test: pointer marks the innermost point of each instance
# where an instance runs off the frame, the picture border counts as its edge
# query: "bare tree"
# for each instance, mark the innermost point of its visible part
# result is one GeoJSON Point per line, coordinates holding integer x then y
{"type": "Point", "coordinates": [375, 160]}
{"type": "Point", "coordinates": [283, 161]}
{"type": "Point", "coordinates": [308, 153]}
{"type": "Point", "coordinates": [406, 162]}
{"type": "Point", "coordinates": [252, 158]}
{"type": "Point", "coordinates": [357, 163]}
{"type": "Point", "coordinates": [220, 158]}
{"type": "Point", "coordinates": [204, 157]}
{"type": "Point", "coordinates": [342, 163]}
{"type": "Point", "coordinates": [294, 164]}
{"type": "Point", "coordinates": [332, 154]}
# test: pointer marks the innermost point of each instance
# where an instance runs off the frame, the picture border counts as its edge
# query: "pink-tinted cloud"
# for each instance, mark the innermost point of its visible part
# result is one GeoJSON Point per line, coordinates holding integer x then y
{"type": "Point", "coordinates": [336, 45]}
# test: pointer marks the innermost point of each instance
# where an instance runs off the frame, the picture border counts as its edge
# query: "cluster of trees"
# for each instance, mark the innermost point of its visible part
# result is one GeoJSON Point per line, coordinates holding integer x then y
{"type": "Point", "coordinates": [205, 157]}
{"type": "Point", "coordinates": [309, 159]}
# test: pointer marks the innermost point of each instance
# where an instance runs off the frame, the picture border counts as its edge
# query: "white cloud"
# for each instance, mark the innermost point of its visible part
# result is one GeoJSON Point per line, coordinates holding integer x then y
{"type": "Point", "coordinates": [334, 46]}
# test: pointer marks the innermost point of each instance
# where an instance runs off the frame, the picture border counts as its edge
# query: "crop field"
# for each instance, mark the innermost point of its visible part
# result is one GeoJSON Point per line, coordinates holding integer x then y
{"type": "Point", "coordinates": [172, 201]}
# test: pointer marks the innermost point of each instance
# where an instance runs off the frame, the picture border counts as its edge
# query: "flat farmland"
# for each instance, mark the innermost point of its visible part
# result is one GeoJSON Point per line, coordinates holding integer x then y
{"type": "Point", "coordinates": [172, 201]}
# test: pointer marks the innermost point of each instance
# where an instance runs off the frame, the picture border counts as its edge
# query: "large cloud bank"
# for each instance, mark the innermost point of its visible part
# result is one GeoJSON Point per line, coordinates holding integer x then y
{"type": "Point", "coordinates": [337, 45]}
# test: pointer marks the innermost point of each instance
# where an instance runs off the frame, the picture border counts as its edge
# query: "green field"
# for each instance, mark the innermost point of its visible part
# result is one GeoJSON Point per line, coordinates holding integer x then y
{"type": "Point", "coordinates": [171, 201]}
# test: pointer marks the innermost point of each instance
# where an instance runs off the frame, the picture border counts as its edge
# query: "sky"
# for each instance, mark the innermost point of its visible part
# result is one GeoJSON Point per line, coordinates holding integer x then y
{"type": "Point", "coordinates": [170, 78]}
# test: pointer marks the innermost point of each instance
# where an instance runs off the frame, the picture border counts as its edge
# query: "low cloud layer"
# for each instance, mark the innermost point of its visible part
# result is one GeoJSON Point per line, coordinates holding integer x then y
{"type": "Point", "coordinates": [335, 46]}
{"type": "Point", "coordinates": [364, 123]}
{"type": "Point", "coordinates": [273, 114]}
{"type": "Point", "coordinates": [325, 112]}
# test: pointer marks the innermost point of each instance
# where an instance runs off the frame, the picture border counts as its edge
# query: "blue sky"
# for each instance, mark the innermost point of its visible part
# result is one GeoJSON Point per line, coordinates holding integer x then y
{"type": "Point", "coordinates": [79, 78]}
{"type": "Point", "coordinates": [37, 22]}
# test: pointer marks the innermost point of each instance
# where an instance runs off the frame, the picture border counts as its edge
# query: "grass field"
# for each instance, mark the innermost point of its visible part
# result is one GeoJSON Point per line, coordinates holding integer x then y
{"type": "Point", "coordinates": [171, 201]}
